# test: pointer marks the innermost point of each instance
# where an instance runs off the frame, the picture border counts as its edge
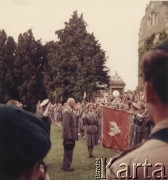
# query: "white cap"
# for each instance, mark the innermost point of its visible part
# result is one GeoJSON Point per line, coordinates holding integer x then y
{"type": "Point", "coordinates": [44, 102]}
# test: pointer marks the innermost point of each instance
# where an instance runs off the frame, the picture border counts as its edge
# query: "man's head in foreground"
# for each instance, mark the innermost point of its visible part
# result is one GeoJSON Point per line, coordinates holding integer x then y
{"type": "Point", "coordinates": [155, 71]}
{"type": "Point", "coordinates": [24, 142]}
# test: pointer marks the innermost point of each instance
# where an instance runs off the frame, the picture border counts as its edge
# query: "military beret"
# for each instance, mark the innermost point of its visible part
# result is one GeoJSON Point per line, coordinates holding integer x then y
{"type": "Point", "coordinates": [24, 140]}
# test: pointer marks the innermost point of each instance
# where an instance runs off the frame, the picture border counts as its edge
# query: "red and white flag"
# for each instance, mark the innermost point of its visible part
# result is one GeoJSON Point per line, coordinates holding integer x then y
{"type": "Point", "coordinates": [116, 129]}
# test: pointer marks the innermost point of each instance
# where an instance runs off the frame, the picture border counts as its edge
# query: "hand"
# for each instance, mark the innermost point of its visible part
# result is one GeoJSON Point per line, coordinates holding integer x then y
{"type": "Point", "coordinates": [20, 105]}
{"type": "Point", "coordinates": [43, 175]}
{"type": "Point", "coordinates": [47, 177]}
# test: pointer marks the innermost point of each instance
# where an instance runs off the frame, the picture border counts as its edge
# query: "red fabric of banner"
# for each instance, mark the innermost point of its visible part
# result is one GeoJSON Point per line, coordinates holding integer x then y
{"type": "Point", "coordinates": [116, 129]}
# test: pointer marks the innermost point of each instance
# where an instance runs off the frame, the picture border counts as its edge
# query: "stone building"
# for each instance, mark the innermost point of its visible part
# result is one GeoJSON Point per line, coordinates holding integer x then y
{"type": "Point", "coordinates": [153, 28]}
{"type": "Point", "coordinates": [116, 83]}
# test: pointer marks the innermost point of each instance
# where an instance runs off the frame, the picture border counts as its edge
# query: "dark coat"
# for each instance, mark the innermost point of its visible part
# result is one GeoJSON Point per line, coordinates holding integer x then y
{"type": "Point", "coordinates": [69, 125]}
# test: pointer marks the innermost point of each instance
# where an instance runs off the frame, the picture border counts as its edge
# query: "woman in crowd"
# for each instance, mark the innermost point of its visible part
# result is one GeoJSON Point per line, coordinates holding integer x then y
{"type": "Point", "coordinates": [91, 123]}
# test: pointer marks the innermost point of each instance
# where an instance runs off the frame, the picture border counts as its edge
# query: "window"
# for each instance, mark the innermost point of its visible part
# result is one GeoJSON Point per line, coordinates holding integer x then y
{"type": "Point", "coordinates": [152, 19]}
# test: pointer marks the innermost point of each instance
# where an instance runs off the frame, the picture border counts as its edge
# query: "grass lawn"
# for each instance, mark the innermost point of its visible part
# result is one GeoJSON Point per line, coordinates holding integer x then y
{"type": "Point", "coordinates": [84, 166]}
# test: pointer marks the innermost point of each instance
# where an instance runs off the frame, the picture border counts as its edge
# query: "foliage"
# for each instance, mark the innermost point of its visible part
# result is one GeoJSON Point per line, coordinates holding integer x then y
{"type": "Point", "coordinates": [7, 51]}
{"type": "Point", "coordinates": [162, 36]}
{"type": "Point", "coordinates": [28, 67]}
{"type": "Point", "coordinates": [76, 62]}
{"type": "Point", "coordinates": [30, 71]}
{"type": "Point", "coordinates": [149, 42]}
{"type": "Point", "coordinates": [148, 45]}
{"type": "Point", "coordinates": [21, 67]}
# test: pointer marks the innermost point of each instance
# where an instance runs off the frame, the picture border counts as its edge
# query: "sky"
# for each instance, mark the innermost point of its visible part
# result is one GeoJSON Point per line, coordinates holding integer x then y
{"type": "Point", "coordinates": [114, 23]}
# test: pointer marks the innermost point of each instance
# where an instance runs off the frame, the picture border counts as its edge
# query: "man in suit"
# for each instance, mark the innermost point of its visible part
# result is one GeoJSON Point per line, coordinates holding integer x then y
{"type": "Point", "coordinates": [149, 160]}
{"type": "Point", "coordinates": [69, 134]}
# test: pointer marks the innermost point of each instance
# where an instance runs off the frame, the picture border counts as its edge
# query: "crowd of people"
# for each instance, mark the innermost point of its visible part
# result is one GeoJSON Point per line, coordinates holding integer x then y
{"type": "Point", "coordinates": [85, 119]}
{"type": "Point", "coordinates": [133, 103]}
{"type": "Point", "coordinates": [130, 102]}
{"type": "Point", "coordinates": [21, 158]}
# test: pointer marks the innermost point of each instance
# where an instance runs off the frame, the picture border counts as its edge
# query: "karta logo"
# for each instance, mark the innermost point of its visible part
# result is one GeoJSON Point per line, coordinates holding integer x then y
{"type": "Point", "coordinates": [114, 129]}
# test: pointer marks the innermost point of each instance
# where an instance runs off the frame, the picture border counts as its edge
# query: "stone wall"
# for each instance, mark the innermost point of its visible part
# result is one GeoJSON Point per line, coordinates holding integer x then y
{"type": "Point", "coordinates": [155, 21]}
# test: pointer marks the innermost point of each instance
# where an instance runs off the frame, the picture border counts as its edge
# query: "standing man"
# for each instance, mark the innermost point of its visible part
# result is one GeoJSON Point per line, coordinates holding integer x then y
{"type": "Point", "coordinates": [150, 160]}
{"type": "Point", "coordinates": [69, 134]}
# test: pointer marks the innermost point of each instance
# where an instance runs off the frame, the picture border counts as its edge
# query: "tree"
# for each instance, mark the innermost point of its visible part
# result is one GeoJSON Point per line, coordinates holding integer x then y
{"type": "Point", "coordinates": [76, 62]}
{"type": "Point", "coordinates": [28, 69]}
{"type": "Point", "coordinates": [9, 57]}
{"type": "Point", "coordinates": [7, 52]}
{"type": "Point", "coordinates": [3, 38]}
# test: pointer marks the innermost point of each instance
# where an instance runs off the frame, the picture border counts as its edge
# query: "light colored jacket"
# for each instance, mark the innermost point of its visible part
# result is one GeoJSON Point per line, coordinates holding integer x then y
{"type": "Point", "coordinates": [149, 160]}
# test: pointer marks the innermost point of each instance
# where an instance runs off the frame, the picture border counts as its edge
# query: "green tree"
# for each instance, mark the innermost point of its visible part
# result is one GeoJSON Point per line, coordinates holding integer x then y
{"type": "Point", "coordinates": [3, 68]}
{"type": "Point", "coordinates": [52, 79]}
{"type": "Point", "coordinates": [7, 53]}
{"type": "Point", "coordinates": [9, 59]}
{"type": "Point", "coordinates": [76, 61]}
{"type": "Point", "coordinates": [28, 69]}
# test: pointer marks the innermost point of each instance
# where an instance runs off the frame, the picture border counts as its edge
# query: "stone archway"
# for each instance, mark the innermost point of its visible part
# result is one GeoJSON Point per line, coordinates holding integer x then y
{"type": "Point", "coordinates": [120, 91]}
{"type": "Point", "coordinates": [116, 83]}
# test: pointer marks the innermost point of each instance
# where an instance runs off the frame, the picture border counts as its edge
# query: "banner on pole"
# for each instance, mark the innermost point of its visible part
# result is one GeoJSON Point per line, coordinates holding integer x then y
{"type": "Point", "coordinates": [116, 129]}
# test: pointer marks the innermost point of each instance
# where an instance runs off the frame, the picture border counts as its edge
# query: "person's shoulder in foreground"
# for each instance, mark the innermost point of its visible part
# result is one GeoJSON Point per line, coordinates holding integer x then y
{"type": "Point", "coordinates": [147, 161]}
{"type": "Point", "coordinates": [150, 160]}
{"type": "Point", "coordinates": [24, 142]}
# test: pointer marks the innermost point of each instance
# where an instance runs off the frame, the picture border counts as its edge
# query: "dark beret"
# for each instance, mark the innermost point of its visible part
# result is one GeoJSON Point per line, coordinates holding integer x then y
{"type": "Point", "coordinates": [24, 140]}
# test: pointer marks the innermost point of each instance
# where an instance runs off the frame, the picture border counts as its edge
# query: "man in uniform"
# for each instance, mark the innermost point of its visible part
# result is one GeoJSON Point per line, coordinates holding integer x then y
{"type": "Point", "coordinates": [149, 160]}
{"type": "Point", "coordinates": [69, 134]}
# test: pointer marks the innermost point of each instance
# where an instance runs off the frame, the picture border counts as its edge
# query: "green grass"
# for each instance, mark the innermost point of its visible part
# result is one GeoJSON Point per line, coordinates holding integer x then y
{"type": "Point", "coordinates": [84, 166]}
